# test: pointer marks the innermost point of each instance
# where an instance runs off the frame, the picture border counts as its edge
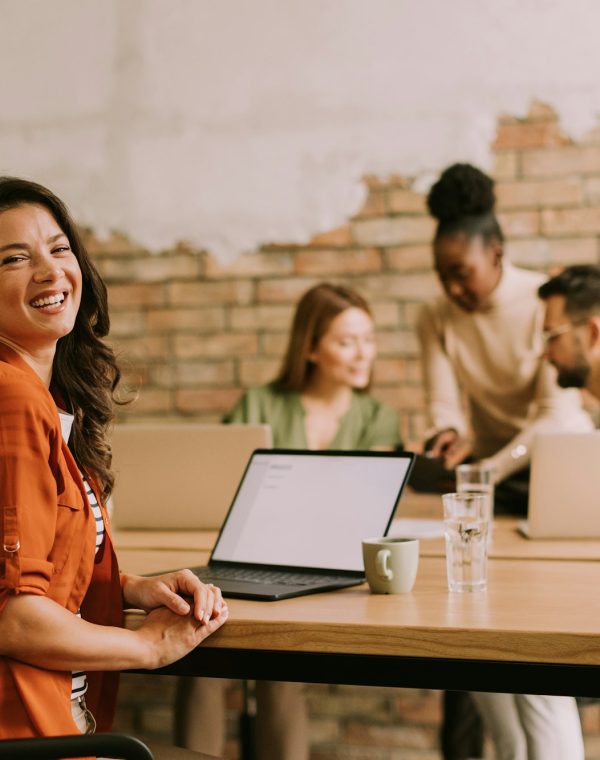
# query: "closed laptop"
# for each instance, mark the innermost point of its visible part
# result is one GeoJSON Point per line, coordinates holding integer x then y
{"type": "Point", "coordinates": [564, 486]}
{"type": "Point", "coordinates": [178, 476]}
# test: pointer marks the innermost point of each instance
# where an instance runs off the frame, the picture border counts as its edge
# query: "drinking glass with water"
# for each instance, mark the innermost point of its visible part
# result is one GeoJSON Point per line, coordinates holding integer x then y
{"type": "Point", "coordinates": [466, 526]}
{"type": "Point", "coordinates": [478, 477]}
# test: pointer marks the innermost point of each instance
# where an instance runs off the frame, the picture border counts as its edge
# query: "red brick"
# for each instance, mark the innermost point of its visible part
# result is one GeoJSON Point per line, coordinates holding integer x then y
{"type": "Point", "coordinates": [407, 737]}
{"type": "Point", "coordinates": [590, 719]}
{"type": "Point", "coordinates": [423, 707]}
{"type": "Point", "coordinates": [579, 221]}
{"type": "Point", "coordinates": [403, 201]}
{"type": "Point", "coordinates": [412, 286]}
{"type": "Point", "coordinates": [566, 192]}
{"type": "Point", "coordinates": [373, 182]}
{"type": "Point", "coordinates": [411, 397]}
{"type": "Point", "coordinates": [414, 426]}
{"type": "Point", "coordinates": [398, 343]}
{"type": "Point", "coordinates": [258, 371]}
{"type": "Point", "coordinates": [201, 400]}
{"type": "Point", "coordinates": [399, 180]}
{"type": "Point", "coordinates": [591, 137]}
{"type": "Point", "coordinates": [375, 204]}
{"type": "Point", "coordinates": [210, 293]}
{"type": "Point", "coordinates": [261, 317]}
{"type": "Point", "coordinates": [155, 400]}
{"type": "Point", "coordinates": [394, 230]}
{"type": "Point", "coordinates": [341, 262]}
{"type": "Point", "coordinates": [161, 375]}
{"type": "Point", "coordinates": [204, 373]}
{"type": "Point", "coordinates": [141, 348]}
{"type": "Point", "coordinates": [543, 253]}
{"type": "Point", "coordinates": [410, 312]}
{"type": "Point", "coordinates": [255, 264]}
{"type": "Point", "coordinates": [126, 323]}
{"type": "Point", "coordinates": [115, 245]}
{"type": "Point", "coordinates": [519, 223]}
{"type": "Point", "coordinates": [592, 191]}
{"type": "Point", "coordinates": [339, 236]}
{"type": "Point", "coordinates": [389, 371]}
{"type": "Point", "coordinates": [412, 369]}
{"type": "Point", "coordinates": [136, 294]}
{"type": "Point", "coordinates": [385, 314]}
{"type": "Point", "coordinates": [408, 258]}
{"type": "Point", "coordinates": [215, 346]}
{"type": "Point", "coordinates": [529, 135]}
{"type": "Point", "coordinates": [506, 165]}
{"type": "Point", "coordinates": [198, 320]}
{"type": "Point", "coordinates": [556, 162]}
{"type": "Point", "coordinates": [273, 344]}
{"type": "Point", "coordinates": [540, 111]}
{"type": "Point", "coordinates": [150, 268]}
{"type": "Point", "coordinates": [284, 289]}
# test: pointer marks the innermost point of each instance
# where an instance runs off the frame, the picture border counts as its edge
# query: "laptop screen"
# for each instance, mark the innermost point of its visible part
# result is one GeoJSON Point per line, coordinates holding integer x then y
{"type": "Point", "coordinates": [311, 509]}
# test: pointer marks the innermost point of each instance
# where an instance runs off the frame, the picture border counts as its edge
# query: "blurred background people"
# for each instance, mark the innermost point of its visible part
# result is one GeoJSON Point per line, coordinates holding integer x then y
{"type": "Point", "coordinates": [319, 400]}
{"type": "Point", "coordinates": [488, 391]}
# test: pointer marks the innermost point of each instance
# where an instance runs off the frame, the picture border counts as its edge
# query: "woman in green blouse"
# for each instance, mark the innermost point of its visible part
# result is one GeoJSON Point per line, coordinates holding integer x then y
{"type": "Point", "coordinates": [319, 400]}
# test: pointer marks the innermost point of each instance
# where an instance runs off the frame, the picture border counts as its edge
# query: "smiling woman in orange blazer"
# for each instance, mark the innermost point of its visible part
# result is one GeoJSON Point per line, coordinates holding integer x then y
{"type": "Point", "coordinates": [61, 593]}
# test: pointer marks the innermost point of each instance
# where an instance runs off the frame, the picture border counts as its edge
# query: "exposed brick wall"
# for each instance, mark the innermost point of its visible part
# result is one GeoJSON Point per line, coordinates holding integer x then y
{"type": "Point", "coordinates": [193, 333]}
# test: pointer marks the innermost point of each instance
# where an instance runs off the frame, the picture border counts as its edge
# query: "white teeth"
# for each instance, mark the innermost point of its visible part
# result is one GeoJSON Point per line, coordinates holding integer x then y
{"type": "Point", "coordinates": [59, 298]}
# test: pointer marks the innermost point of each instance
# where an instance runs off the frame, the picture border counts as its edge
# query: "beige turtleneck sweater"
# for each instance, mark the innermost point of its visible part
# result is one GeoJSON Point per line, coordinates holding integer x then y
{"type": "Point", "coordinates": [494, 361]}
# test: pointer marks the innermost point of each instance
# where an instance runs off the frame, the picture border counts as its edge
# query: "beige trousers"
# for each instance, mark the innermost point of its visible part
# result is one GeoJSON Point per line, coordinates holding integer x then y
{"type": "Point", "coordinates": [532, 727]}
{"type": "Point", "coordinates": [281, 720]}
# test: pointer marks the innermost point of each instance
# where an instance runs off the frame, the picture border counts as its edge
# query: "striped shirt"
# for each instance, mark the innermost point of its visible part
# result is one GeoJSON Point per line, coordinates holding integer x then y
{"type": "Point", "coordinates": [79, 682]}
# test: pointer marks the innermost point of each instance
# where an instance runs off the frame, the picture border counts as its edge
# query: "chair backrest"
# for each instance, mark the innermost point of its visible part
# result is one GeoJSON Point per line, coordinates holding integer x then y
{"type": "Point", "coordinates": [57, 747]}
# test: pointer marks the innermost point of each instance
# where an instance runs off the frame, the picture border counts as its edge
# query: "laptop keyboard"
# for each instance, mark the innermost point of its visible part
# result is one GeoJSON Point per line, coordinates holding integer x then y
{"type": "Point", "coordinates": [252, 575]}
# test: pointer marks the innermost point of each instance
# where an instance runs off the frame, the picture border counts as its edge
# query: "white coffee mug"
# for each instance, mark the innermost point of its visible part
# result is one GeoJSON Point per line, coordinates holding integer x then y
{"type": "Point", "coordinates": [390, 564]}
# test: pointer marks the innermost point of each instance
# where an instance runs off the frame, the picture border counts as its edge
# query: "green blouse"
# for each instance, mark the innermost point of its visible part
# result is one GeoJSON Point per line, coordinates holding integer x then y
{"type": "Point", "coordinates": [366, 425]}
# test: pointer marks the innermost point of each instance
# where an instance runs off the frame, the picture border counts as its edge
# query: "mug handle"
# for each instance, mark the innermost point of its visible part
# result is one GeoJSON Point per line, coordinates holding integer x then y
{"type": "Point", "coordinates": [381, 564]}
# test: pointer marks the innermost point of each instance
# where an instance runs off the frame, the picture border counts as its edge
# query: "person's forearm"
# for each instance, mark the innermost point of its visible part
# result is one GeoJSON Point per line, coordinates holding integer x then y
{"type": "Point", "coordinates": [38, 631]}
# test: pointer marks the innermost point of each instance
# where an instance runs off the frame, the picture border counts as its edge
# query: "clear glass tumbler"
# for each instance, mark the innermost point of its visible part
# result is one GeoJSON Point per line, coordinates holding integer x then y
{"type": "Point", "coordinates": [466, 529]}
{"type": "Point", "coordinates": [478, 478]}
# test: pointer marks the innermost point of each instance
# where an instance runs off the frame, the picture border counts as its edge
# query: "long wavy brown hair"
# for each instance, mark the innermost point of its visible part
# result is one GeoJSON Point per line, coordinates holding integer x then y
{"type": "Point", "coordinates": [315, 311]}
{"type": "Point", "coordinates": [85, 371]}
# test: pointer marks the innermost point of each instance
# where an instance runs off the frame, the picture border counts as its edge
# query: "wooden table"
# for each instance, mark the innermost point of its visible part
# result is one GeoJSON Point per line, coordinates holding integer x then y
{"type": "Point", "coordinates": [535, 630]}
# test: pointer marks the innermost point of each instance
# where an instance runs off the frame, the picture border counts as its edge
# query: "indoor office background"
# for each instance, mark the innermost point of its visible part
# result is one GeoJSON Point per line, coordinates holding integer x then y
{"type": "Point", "coordinates": [223, 157]}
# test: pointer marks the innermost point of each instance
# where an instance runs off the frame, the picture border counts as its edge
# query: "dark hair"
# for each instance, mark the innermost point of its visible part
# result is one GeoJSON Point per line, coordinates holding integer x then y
{"type": "Point", "coordinates": [315, 311]}
{"type": "Point", "coordinates": [580, 285]}
{"type": "Point", "coordinates": [84, 370]}
{"type": "Point", "coordinates": [463, 200]}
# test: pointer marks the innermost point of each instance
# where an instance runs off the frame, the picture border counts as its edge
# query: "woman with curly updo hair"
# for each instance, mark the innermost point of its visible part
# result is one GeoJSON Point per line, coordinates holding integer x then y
{"type": "Point", "coordinates": [488, 393]}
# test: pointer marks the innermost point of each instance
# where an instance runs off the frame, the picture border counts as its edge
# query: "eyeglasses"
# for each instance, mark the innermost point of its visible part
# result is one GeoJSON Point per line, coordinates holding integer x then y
{"type": "Point", "coordinates": [554, 332]}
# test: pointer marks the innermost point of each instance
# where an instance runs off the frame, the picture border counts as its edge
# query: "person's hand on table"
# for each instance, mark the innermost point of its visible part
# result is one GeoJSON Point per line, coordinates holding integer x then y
{"type": "Point", "coordinates": [180, 591]}
{"type": "Point", "coordinates": [169, 636]}
{"type": "Point", "coordinates": [449, 446]}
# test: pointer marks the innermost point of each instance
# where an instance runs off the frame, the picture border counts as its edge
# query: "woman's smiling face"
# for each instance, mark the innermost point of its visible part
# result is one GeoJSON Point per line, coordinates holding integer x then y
{"type": "Point", "coordinates": [40, 279]}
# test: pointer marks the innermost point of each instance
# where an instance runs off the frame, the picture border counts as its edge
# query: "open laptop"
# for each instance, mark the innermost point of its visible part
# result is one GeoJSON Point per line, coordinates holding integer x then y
{"type": "Point", "coordinates": [564, 487]}
{"type": "Point", "coordinates": [297, 520]}
{"type": "Point", "coordinates": [178, 476]}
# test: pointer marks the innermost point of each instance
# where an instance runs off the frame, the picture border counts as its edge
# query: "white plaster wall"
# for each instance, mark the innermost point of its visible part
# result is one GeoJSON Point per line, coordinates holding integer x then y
{"type": "Point", "coordinates": [232, 123]}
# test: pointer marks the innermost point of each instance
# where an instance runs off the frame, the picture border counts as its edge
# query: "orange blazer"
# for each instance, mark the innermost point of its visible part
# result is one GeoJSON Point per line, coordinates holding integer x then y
{"type": "Point", "coordinates": [47, 547]}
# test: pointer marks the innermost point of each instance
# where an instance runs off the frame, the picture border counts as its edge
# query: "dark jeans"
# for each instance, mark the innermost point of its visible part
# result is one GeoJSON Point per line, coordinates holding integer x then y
{"type": "Point", "coordinates": [461, 735]}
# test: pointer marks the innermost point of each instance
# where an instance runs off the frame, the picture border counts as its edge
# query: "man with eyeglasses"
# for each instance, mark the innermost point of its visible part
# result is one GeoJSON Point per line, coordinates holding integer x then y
{"type": "Point", "coordinates": [572, 326]}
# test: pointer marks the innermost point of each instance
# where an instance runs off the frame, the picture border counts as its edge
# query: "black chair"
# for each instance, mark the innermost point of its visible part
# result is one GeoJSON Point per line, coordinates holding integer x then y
{"type": "Point", "coordinates": [57, 747]}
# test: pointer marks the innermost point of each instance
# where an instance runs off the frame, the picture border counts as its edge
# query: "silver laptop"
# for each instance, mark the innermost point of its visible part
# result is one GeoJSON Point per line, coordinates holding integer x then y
{"type": "Point", "coordinates": [178, 476]}
{"type": "Point", "coordinates": [564, 486]}
{"type": "Point", "coordinates": [297, 520]}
